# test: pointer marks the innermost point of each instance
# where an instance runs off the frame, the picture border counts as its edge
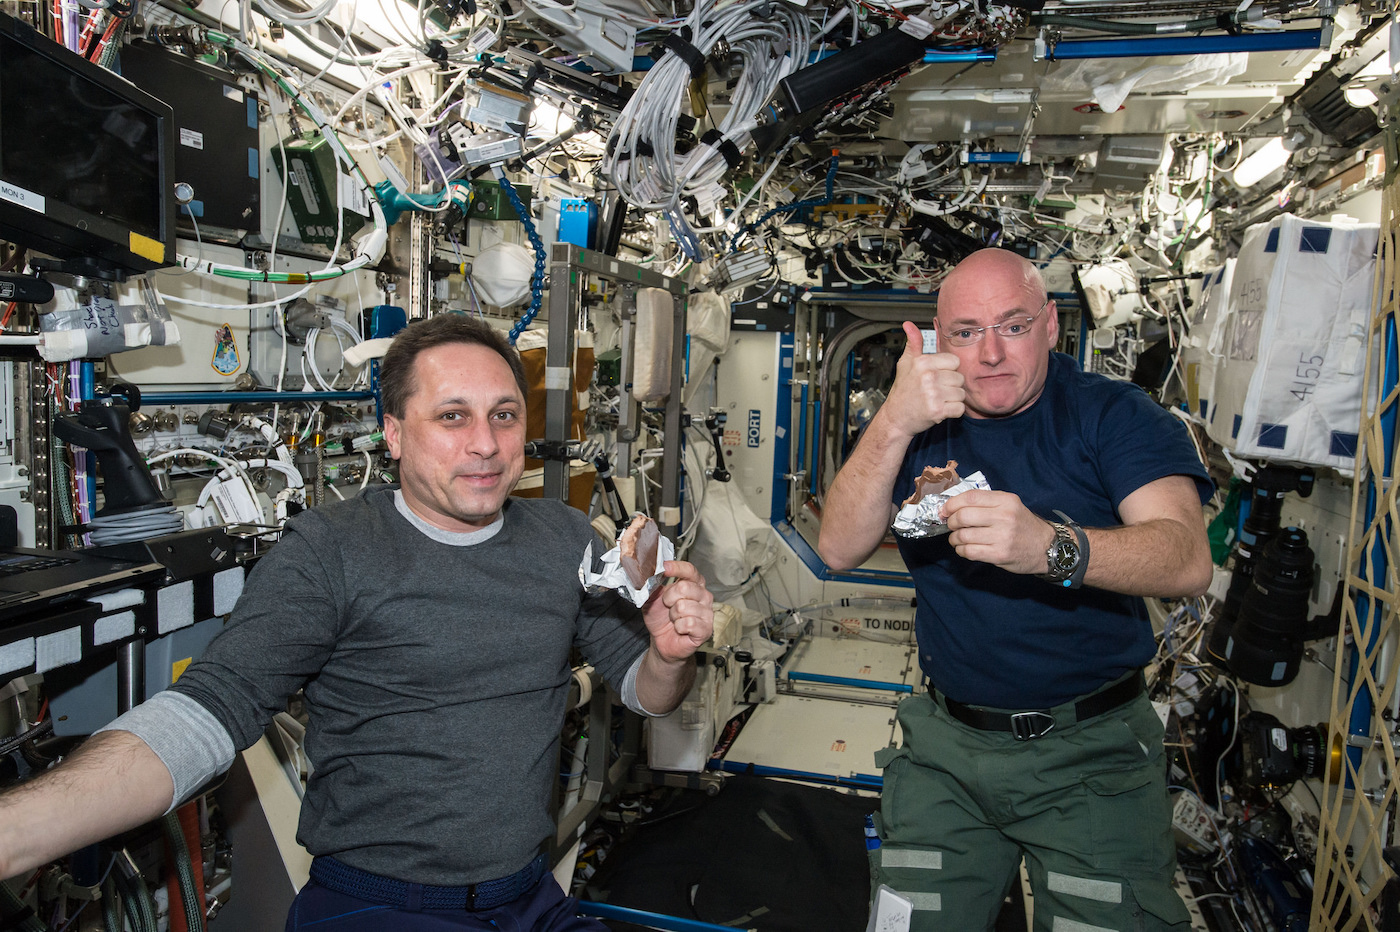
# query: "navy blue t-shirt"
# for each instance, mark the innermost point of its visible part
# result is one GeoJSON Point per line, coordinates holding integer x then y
{"type": "Point", "coordinates": [995, 638]}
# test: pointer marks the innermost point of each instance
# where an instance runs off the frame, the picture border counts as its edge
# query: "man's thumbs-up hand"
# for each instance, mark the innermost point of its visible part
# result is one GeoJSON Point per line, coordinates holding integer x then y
{"type": "Point", "coordinates": [928, 388]}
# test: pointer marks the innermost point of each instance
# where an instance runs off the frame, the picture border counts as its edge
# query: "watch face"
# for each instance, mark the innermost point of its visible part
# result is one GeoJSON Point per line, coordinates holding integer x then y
{"type": "Point", "coordinates": [1064, 557]}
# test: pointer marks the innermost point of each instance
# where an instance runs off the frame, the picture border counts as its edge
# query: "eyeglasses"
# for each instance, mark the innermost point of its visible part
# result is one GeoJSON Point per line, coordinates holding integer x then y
{"type": "Point", "coordinates": [1009, 329]}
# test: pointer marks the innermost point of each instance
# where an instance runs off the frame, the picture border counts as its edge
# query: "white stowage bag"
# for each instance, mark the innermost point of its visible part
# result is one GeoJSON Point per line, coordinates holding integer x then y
{"type": "Point", "coordinates": [1203, 349]}
{"type": "Point", "coordinates": [502, 273]}
{"type": "Point", "coordinates": [1291, 384]}
{"type": "Point", "coordinates": [651, 347]}
{"type": "Point", "coordinates": [707, 323]}
{"type": "Point", "coordinates": [1110, 81]}
{"type": "Point", "coordinates": [732, 541]}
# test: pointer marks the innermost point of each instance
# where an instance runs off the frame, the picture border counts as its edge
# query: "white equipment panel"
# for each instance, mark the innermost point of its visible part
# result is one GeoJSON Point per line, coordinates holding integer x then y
{"type": "Point", "coordinates": [855, 657]}
{"type": "Point", "coordinates": [815, 736]}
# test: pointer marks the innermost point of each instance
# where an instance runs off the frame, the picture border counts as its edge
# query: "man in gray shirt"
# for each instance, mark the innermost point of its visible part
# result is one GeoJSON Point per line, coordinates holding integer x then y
{"type": "Point", "coordinates": [430, 627]}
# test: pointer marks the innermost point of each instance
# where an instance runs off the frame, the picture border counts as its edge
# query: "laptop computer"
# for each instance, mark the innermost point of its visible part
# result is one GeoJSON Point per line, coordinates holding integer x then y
{"type": "Point", "coordinates": [31, 580]}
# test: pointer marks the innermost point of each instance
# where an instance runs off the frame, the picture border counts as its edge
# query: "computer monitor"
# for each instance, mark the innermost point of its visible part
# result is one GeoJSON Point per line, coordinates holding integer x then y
{"type": "Point", "coordinates": [86, 159]}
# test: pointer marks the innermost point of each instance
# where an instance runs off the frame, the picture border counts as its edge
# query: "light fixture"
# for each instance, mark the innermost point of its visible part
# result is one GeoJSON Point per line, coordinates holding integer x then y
{"type": "Point", "coordinates": [1359, 95]}
{"type": "Point", "coordinates": [1262, 161]}
{"type": "Point", "coordinates": [1358, 89]}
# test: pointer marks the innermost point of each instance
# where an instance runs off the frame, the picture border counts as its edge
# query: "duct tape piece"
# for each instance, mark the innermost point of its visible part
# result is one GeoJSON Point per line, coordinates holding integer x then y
{"type": "Point", "coordinates": [100, 328]}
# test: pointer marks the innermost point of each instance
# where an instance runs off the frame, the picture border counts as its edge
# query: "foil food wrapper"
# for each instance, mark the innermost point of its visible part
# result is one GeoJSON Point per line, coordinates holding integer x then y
{"type": "Point", "coordinates": [613, 576]}
{"type": "Point", "coordinates": [925, 518]}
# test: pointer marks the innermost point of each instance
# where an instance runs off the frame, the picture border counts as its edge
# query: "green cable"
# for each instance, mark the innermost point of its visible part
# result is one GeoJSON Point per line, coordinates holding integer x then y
{"type": "Point", "coordinates": [111, 906]}
{"type": "Point", "coordinates": [337, 146]}
{"type": "Point", "coordinates": [12, 908]}
{"type": "Point", "coordinates": [184, 870]}
{"type": "Point", "coordinates": [140, 908]}
{"type": "Point", "coordinates": [1205, 204]}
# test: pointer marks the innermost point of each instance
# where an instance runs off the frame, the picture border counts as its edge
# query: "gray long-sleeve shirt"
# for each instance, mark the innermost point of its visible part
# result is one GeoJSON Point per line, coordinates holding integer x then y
{"type": "Point", "coordinates": [435, 679]}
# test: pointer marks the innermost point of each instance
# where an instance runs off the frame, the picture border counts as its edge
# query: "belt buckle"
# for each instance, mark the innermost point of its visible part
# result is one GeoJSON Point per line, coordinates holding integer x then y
{"type": "Point", "coordinates": [1028, 725]}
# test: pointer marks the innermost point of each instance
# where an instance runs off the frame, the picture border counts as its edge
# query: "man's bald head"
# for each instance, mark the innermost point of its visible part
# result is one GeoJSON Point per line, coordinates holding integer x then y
{"type": "Point", "coordinates": [1004, 372]}
{"type": "Point", "coordinates": [991, 264]}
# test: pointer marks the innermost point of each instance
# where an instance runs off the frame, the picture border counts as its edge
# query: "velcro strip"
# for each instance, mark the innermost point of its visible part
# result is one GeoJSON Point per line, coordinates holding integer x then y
{"type": "Point", "coordinates": [687, 53]}
{"type": "Point", "coordinates": [911, 857]}
{"type": "Point", "coordinates": [929, 902]}
{"type": "Point", "coordinates": [720, 143]}
{"type": "Point", "coordinates": [1102, 891]}
{"type": "Point", "coordinates": [1061, 924]}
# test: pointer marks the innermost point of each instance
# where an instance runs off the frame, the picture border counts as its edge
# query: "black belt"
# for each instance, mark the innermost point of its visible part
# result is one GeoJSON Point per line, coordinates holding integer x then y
{"type": "Point", "coordinates": [1037, 723]}
{"type": "Point", "coordinates": [351, 881]}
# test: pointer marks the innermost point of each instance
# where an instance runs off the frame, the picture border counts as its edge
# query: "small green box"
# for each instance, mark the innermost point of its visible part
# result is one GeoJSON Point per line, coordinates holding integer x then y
{"type": "Point", "coordinates": [489, 202]}
{"type": "Point", "coordinates": [313, 189]}
{"type": "Point", "coordinates": [609, 366]}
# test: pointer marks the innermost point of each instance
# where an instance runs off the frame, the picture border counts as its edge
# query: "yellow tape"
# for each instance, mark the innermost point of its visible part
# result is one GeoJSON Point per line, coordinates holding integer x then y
{"type": "Point", "coordinates": [147, 248]}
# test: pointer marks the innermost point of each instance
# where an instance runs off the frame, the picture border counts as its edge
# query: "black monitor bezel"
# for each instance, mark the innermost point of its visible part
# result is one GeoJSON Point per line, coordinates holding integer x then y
{"type": "Point", "coordinates": [71, 233]}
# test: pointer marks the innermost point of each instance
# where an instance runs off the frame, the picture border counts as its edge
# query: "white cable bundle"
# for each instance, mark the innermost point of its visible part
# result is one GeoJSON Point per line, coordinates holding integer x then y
{"type": "Point", "coordinates": [282, 14]}
{"type": "Point", "coordinates": [768, 48]}
{"type": "Point", "coordinates": [913, 171]}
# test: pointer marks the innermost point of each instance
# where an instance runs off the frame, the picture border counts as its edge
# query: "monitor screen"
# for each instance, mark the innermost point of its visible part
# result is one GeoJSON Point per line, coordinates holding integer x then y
{"type": "Point", "coordinates": [68, 139]}
{"type": "Point", "coordinates": [84, 158]}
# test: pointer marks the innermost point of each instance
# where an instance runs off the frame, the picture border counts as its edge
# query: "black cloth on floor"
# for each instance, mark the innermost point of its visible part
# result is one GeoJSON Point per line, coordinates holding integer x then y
{"type": "Point", "coordinates": [790, 858]}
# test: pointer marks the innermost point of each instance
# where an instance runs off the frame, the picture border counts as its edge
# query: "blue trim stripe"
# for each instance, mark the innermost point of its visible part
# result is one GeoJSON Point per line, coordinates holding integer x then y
{"type": "Point", "coordinates": [855, 682]}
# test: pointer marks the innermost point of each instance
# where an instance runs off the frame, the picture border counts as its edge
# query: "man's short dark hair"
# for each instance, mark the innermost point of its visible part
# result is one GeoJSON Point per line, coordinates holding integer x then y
{"type": "Point", "coordinates": [396, 383]}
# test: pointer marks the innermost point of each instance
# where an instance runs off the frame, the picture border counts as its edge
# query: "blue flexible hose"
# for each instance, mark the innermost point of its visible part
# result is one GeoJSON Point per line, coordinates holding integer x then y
{"type": "Point", "coordinates": [537, 279]}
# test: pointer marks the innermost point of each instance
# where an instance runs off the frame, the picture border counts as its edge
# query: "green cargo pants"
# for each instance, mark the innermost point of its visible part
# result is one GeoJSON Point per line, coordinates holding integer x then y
{"type": "Point", "coordinates": [1085, 805]}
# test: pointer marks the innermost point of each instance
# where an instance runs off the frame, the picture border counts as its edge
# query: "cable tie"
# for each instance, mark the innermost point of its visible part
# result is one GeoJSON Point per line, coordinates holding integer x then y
{"type": "Point", "coordinates": [687, 53]}
{"type": "Point", "coordinates": [717, 140]}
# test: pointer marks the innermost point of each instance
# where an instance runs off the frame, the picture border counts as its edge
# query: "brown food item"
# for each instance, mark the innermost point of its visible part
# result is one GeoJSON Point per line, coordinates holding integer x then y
{"type": "Point", "coordinates": [932, 481]}
{"type": "Point", "coordinates": [637, 548]}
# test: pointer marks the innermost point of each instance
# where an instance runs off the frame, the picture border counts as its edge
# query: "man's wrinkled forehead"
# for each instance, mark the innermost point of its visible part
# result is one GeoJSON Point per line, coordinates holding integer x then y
{"type": "Point", "coordinates": [489, 373]}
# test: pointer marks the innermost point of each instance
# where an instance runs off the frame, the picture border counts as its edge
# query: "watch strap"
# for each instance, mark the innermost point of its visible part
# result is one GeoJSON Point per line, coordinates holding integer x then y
{"type": "Point", "coordinates": [1077, 578]}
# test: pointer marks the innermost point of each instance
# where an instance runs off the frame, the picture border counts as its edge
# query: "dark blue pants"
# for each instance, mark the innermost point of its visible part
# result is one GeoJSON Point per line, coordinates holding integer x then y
{"type": "Point", "coordinates": [544, 908]}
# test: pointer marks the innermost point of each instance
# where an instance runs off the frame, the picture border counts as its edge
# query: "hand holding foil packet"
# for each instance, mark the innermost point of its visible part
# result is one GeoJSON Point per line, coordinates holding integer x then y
{"type": "Point", "coordinates": [635, 567]}
{"type": "Point", "coordinates": [921, 514]}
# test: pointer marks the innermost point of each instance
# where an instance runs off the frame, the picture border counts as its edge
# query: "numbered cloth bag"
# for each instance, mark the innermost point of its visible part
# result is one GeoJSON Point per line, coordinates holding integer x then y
{"type": "Point", "coordinates": [1290, 386]}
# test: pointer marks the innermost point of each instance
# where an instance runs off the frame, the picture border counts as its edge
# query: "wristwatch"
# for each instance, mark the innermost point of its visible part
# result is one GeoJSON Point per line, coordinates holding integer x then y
{"type": "Point", "coordinates": [1068, 554]}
